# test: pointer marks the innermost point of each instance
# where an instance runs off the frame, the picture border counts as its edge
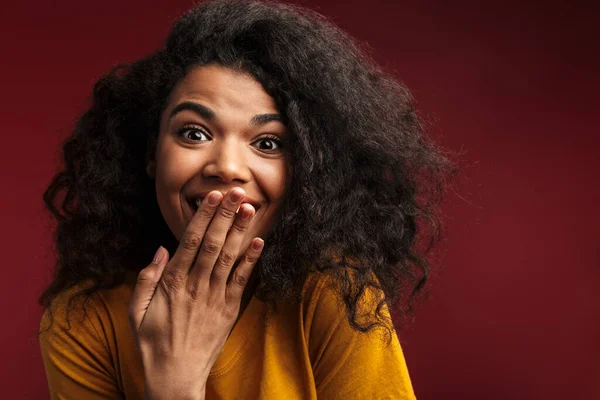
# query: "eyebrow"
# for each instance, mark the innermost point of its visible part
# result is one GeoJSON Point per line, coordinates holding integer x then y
{"type": "Point", "coordinates": [207, 113]}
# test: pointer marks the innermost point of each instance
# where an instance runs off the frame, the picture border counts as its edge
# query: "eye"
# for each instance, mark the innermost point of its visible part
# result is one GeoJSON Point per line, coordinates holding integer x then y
{"type": "Point", "coordinates": [268, 143]}
{"type": "Point", "coordinates": [194, 134]}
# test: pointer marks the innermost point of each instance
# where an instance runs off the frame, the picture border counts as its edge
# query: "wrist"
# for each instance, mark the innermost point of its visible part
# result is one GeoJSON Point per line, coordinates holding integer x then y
{"type": "Point", "coordinates": [172, 394]}
{"type": "Point", "coordinates": [162, 385]}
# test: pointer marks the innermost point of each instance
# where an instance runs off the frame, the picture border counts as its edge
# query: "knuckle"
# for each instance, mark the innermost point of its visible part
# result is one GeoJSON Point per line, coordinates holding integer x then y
{"type": "Point", "coordinates": [227, 213]}
{"type": "Point", "coordinates": [251, 259]}
{"type": "Point", "coordinates": [231, 312]}
{"type": "Point", "coordinates": [193, 292]}
{"type": "Point", "coordinates": [170, 282]}
{"type": "Point", "coordinates": [206, 213]}
{"type": "Point", "coordinates": [211, 247]}
{"type": "Point", "coordinates": [145, 275]}
{"type": "Point", "coordinates": [240, 279]}
{"type": "Point", "coordinates": [226, 258]}
{"type": "Point", "coordinates": [192, 242]}
{"type": "Point", "coordinates": [238, 228]}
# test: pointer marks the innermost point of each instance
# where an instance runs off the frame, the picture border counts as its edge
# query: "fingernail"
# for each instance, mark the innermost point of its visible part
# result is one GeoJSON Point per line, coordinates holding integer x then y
{"type": "Point", "coordinates": [258, 244]}
{"type": "Point", "coordinates": [245, 213]}
{"type": "Point", "coordinates": [158, 256]}
{"type": "Point", "coordinates": [214, 198]}
{"type": "Point", "coordinates": [236, 196]}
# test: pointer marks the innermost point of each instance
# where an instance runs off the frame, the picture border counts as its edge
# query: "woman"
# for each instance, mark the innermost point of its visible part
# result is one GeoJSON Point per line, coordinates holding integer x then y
{"type": "Point", "coordinates": [256, 121]}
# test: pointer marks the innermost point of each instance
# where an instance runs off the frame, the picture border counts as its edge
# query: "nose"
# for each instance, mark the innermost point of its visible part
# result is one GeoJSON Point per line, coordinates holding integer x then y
{"type": "Point", "coordinates": [227, 162]}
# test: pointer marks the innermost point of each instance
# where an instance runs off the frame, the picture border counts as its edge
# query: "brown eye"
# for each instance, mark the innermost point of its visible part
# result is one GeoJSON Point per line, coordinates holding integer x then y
{"type": "Point", "coordinates": [268, 144]}
{"type": "Point", "coordinates": [193, 134]}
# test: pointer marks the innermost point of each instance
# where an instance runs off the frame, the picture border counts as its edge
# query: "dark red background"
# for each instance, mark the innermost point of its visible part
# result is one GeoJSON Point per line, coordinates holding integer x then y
{"type": "Point", "coordinates": [513, 87]}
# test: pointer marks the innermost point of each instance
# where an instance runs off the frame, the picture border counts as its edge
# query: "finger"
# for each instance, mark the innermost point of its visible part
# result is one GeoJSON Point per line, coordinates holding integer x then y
{"type": "Point", "coordinates": [216, 234]}
{"type": "Point", "coordinates": [148, 279]}
{"type": "Point", "coordinates": [242, 273]}
{"type": "Point", "coordinates": [231, 248]}
{"type": "Point", "coordinates": [192, 238]}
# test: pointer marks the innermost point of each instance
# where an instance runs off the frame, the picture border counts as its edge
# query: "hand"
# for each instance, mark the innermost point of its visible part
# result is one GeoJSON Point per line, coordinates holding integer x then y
{"type": "Point", "coordinates": [183, 310]}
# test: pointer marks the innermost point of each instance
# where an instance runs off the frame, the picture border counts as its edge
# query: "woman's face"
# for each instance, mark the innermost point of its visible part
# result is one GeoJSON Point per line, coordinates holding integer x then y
{"type": "Point", "coordinates": [220, 130]}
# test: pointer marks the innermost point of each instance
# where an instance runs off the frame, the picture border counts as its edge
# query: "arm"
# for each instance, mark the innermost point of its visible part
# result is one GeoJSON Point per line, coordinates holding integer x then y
{"type": "Point", "coordinates": [77, 360]}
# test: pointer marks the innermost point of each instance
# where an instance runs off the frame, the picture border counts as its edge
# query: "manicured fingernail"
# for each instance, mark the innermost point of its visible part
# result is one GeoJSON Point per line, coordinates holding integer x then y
{"type": "Point", "coordinates": [258, 244]}
{"type": "Point", "coordinates": [214, 198]}
{"type": "Point", "coordinates": [158, 255]}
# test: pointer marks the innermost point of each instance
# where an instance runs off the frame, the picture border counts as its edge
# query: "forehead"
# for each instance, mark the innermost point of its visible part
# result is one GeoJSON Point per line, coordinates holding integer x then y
{"type": "Point", "coordinates": [222, 88]}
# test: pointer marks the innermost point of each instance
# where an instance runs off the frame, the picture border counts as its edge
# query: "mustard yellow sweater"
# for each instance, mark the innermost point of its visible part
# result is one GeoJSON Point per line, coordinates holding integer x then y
{"type": "Point", "coordinates": [305, 351]}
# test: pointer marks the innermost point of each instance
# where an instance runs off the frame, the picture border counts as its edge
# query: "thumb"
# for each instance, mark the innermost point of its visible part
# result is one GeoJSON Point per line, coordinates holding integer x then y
{"type": "Point", "coordinates": [145, 287]}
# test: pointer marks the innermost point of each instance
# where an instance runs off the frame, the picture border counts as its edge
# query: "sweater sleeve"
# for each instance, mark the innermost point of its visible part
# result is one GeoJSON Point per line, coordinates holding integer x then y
{"type": "Point", "coordinates": [76, 357]}
{"type": "Point", "coordinates": [348, 364]}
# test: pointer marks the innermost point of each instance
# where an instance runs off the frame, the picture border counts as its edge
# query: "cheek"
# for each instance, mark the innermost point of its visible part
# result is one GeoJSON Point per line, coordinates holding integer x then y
{"type": "Point", "coordinates": [174, 166]}
{"type": "Point", "coordinates": [169, 178]}
{"type": "Point", "coordinates": [173, 169]}
{"type": "Point", "coordinates": [273, 177]}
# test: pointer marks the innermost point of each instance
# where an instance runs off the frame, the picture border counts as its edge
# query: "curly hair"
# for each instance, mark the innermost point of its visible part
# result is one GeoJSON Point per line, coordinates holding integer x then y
{"type": "Point", "coordinates": [365, 182]}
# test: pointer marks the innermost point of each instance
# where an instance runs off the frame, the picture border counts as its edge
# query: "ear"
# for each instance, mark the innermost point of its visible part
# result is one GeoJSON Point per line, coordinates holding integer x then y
{"type": "Point", "coordinates": [151, 169]}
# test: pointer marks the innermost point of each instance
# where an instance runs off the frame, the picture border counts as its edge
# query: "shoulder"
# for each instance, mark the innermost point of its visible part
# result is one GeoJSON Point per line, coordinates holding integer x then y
{"type": "Point", "coordinates": [79, 326]}
{"type": "Point", "coordinates": [78, 341]}
{"type": "Point", "coordinates": [346, 362]}
{"type": "Point", "coordinates": [72, 309]}
{"type": "Point", "coordinates": [323, 301]}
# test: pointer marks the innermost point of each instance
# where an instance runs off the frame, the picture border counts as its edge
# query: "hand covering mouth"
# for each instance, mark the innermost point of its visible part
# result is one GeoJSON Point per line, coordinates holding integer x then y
{"type": "Point", "coordinates": [194, 202]}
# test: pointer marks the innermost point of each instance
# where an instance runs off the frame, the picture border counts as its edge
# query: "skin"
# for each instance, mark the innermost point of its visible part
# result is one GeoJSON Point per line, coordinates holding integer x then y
{"type": "Point", "coordinates": [183, 308]}
{"type": "Point", "coordinates": [196, 154]}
